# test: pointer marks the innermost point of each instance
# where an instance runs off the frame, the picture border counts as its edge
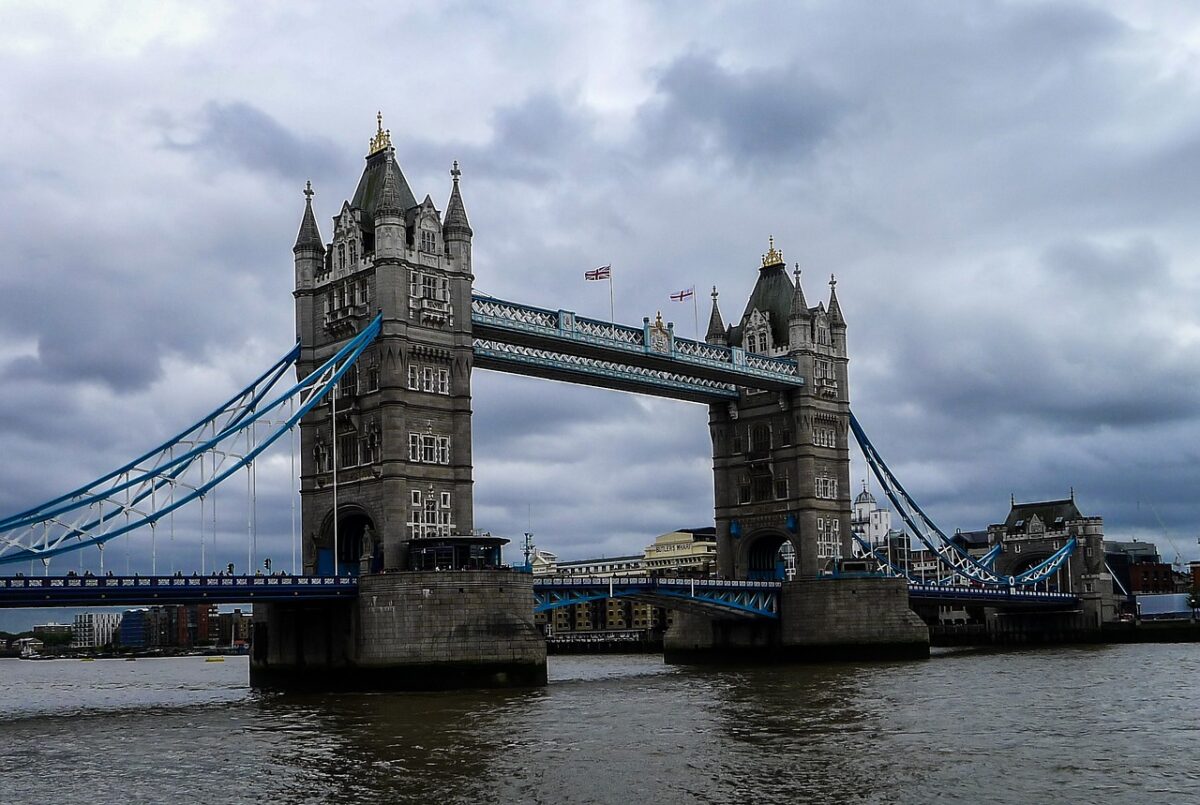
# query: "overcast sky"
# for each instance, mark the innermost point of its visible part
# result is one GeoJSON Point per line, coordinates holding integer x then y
{"type": "Point", "coordinates": [1007, 193]}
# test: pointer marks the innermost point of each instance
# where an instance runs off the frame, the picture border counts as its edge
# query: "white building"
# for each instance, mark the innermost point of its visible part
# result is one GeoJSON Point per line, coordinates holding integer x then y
{"type": "Point", "coordinates": [95, 629]}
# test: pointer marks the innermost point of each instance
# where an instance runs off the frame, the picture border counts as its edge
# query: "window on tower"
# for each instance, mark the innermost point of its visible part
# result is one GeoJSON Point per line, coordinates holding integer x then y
{"type": "Point", "coordinates": [428, 241]}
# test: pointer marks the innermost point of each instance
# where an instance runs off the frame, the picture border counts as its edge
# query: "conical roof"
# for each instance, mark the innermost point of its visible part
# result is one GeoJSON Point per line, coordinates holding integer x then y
{"type": "Point", "coordinates": [381, 165]}
{"type": "Point", "coordinates": [309, 236]}
{"type": "Point", "coordinates": [772, 294]}
{"type": "Point", "coordinates": [716, 327]}
{"type": "Point", "coordinates": [456, 214]}
{"type": "Point", "coordinates": [799, 309]}
{"type": "Point", "coordinates": [835, 310]}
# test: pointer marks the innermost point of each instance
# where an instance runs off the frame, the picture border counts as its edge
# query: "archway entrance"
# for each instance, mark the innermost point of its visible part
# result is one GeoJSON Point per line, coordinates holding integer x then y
{"type": "Point", "coordinates": [770, 556]}
{"type": "Point", "coordinates": [356, 537]}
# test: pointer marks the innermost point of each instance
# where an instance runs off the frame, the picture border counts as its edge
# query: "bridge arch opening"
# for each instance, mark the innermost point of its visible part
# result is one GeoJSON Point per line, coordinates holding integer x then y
{"type": "Point", "coordinates": [357, 538]}
{"type": "Point", "coordinates": [770, 555]}
{"type": "Point", "coordinates": [1058, 582]}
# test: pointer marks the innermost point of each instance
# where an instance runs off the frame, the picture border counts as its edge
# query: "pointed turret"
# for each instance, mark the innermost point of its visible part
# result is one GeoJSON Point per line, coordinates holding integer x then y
{"type": "Point", "coordinates": [456, 214]}
{"type": "Point", "coordinates": [716, 327]}
{"type": "Point", "coordinates": [835, 310]}
{"type": "Point", "coordinates": [309, 237]}
{"type": "Point", "coordinates": [389, 203]}
{"type": "Point", "coordinates": [799, 309]}
{"type": "Point", "coordinates": [456, 229]}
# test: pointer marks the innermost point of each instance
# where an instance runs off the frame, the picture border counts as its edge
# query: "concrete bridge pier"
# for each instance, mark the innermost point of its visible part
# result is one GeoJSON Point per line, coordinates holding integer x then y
{"type": "Point", "coordinates": [819, 620]}
{"type": "Point", "coordinates": [417, 630]}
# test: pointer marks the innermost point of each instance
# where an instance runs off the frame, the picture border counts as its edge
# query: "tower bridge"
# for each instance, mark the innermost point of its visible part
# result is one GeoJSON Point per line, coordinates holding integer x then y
{"type": "Point", "coordinates": [390, 331]}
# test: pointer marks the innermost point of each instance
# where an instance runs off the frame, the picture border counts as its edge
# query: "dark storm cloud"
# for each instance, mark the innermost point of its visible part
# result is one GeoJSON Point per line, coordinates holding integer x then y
{"type": "Point", "coordinates": [240, 134]}
{"type": "Point", "coordinates": [751, 117]}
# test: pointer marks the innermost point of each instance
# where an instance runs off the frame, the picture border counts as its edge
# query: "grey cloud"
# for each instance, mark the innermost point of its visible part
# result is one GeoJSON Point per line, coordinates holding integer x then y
{"type": "Point", "coordinates": [755, 116]}
{"type": "Point", "coordinates": [239, 133]}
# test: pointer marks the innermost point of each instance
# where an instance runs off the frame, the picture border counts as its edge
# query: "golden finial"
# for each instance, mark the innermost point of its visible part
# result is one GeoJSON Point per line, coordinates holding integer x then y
{"type": "Point", "coordinates": [382, 138]}
{"type": "Point", "coordinates": [773, 257]}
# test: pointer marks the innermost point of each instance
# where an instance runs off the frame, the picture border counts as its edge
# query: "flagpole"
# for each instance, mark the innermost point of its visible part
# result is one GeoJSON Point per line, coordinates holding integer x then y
{"type": "Point", "coordinates": [612, 318]}
{"type": "Point", "coordinates": [695, 313]}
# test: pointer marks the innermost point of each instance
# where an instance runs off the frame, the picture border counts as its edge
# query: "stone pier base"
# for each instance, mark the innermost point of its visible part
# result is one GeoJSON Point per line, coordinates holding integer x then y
{"type": "Point", "coordinates": [406, 631]}
{"type": "Point", "coordinates": [820, 620]}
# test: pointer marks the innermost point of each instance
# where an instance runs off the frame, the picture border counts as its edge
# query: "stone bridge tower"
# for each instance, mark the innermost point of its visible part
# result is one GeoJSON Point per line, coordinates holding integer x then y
{"type": "Point", "coordinates": [402, 438]}
{"type": "Point", "coordinates": [781, 461]}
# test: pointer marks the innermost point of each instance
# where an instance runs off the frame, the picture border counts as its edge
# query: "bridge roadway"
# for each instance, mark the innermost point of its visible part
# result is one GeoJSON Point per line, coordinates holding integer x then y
{"type": "Point", "coordinates": [61, 591]}
{"type": "Point", "coordinates": [748, 599]}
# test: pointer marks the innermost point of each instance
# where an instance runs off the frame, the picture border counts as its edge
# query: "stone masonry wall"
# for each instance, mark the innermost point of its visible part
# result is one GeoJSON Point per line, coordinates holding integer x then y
{"type": "Point", "coordinates": [448, 617]}
{"type": "Point", "coordinates": [851, 616]}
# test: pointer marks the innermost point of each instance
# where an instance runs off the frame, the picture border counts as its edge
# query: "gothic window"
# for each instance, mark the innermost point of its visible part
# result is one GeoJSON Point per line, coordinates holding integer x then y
{"type": "Point", "coordinates": [751, 343]}
{"type": "Point", "coordinates": [823, 335]}
{"type": "Point", "coordinates": [426, 518]}
{"type": "Point", "coordinates": [428, 241]}
{"type": "Point", "coordinates": [744, 489]}
{"type": "Point", "coordinates": [427, 448]}
{"type": "Point", "coordinates": [414, 377]}
{"type": "Point", "coordinates": [822, 369]}
{"type": "Point", "coordinates": [829, 545]}
{"type": "Point", "coordinates": [762, 487]}
{"type": "Point", "coordinates": [353, 252]}
{"type": "Point", "coordinates": [373, 375]}
{"type": "Point", "coordinates": [348, 385]}
{"type": "Point", "coordinates": [341, 256]}
{"type": "Point", "coordinates": [443, 381]}
{"type": "Point", "coordinates": [781, 488]}
{"type": "Point", "coordinates": [785, 438]}
{"type": "Point", "coordinates": [760, 440]}
{"type": "Point", "coordinates": [827, 486]}
{"type": "Point", "coordinates": [348, 450]}
{"type": "Point", "coordinates": [427, 378]}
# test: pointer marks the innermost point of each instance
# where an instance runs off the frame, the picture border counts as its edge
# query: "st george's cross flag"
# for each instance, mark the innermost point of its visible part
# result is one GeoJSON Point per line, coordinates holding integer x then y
{"type": "Point", "coordinates": [601, 273]}
{"type": "Point", "coordinates": [683, 295]}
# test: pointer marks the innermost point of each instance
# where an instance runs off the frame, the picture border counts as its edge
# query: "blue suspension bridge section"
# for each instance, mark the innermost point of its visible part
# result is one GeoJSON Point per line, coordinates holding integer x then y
{"type": "Point", "coordinates": [509, 337]}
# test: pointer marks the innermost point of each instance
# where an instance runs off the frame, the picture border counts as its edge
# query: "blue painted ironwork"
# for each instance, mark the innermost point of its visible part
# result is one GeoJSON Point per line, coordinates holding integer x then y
{"type": "Point", "coordinates": [757, 599]}
{"type": "Point", "coordinates": [16, 592]}
{"type": "Point", "coordinates": [563, 333]}
{"type": "Point", "coordinates": [500, 355]}
{"type": "Point", "coordinates": [174, 473]}
{"type": "Point", "coordinates": [951, 555]}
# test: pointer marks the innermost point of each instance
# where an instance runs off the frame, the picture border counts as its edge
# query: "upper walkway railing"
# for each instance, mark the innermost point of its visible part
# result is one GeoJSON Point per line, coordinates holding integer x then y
{"type": "Point", "coordinates": [652, 345]}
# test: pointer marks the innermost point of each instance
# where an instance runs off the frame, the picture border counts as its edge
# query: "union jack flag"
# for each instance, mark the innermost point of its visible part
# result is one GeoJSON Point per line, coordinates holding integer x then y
{"type": "Point", "coordinates": [601, 273]}
{"type": "Point", "coordinates": [683, 295]}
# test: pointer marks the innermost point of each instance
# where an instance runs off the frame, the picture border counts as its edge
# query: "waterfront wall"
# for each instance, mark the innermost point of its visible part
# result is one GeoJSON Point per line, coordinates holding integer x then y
{"type": "Point", "coordinates": [820, 620]}
{"type": "Point", "coordinates": [406, 631]}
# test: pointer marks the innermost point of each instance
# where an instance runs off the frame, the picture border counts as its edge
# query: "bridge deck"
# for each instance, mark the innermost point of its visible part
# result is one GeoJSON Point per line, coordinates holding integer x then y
{"type": "Point", "coordinates": [58, 591]}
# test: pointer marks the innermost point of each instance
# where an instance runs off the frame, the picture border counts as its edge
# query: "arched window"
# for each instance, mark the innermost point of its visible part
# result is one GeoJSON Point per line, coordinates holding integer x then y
{"type": "Point", "coordinates": [751, 344]}
{"type": "Point", "coordinates": [341, 256]}
{"type": "Point", "coordinates": [353, 252]}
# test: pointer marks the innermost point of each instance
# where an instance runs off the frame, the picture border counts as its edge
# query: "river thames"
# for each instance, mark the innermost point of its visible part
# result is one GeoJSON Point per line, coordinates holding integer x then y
{"type": "Point", "coordinates": [1106, 724]}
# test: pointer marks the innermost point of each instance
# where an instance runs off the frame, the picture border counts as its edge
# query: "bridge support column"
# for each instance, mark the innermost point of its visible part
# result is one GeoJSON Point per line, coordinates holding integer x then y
{"type": "Point", "coordinates": [819, 620]}
{"type": "Point", "coordinates": [406, 631]}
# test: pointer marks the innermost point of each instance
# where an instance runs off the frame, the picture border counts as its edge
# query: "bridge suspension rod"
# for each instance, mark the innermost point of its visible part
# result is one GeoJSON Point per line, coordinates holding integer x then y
{"type": "Point", "coordinates": [78, 519]}
{"type": "Point", "coordinates": [951, 555]}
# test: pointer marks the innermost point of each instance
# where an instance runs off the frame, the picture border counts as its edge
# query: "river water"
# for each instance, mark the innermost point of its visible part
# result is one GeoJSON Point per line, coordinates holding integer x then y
{"type": "Point", "coordinates": [1109, 724]}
